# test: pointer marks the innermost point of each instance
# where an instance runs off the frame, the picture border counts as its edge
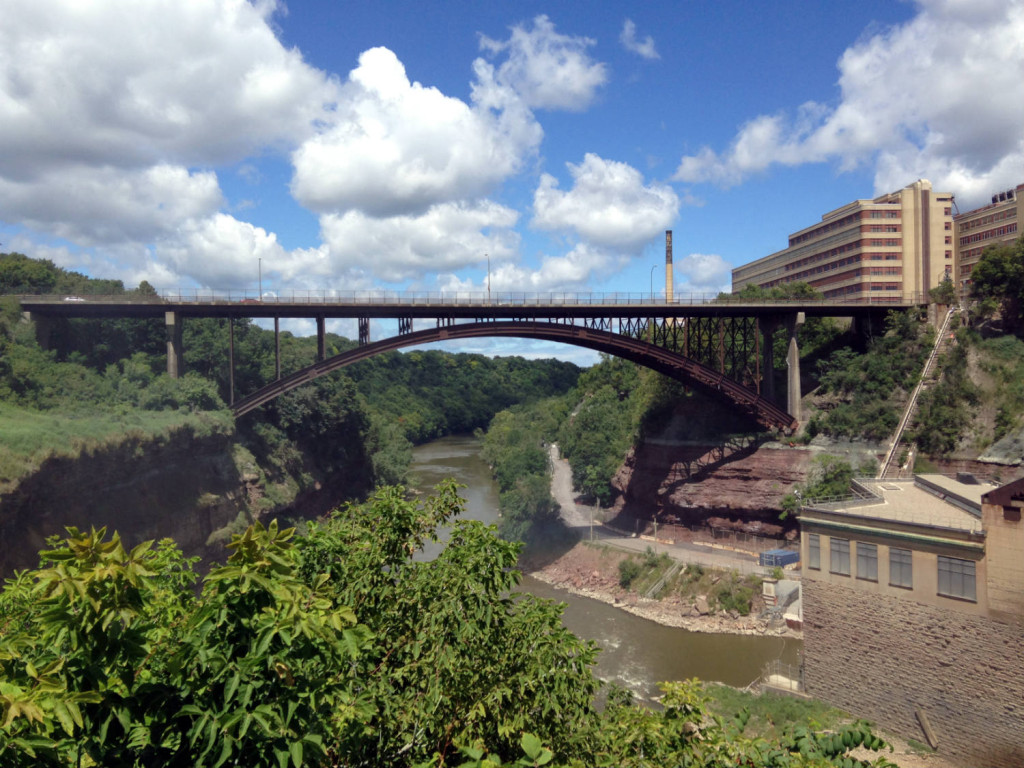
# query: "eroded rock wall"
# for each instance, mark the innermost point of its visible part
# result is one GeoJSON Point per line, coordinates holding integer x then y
{"type": "Point", "coordinates": [179, 486]}
{"type": "Point", "coordinates": [694, 481]}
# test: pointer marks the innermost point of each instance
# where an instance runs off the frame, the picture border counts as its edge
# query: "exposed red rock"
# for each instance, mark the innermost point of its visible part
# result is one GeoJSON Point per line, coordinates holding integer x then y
{"type": "Point", "coordinates": [738, 487]}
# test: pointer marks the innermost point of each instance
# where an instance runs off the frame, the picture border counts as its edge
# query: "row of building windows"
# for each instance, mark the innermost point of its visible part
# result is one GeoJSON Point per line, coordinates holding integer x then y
{"type": "Point", "coordinates": [982, 221]}
{"type": "Point", "coordinates": [840, 293]}
{"type": "Point", "coordinates": [956, 577]}
{"type": "Point", "coordinates": [971, 254]}
{"type": "Point", "coordinates": [824, 229]}
{"type": "Point", "coordinates": [857, 245]}
{"type": "Point", "coordinates": [882, 228]}
{"type": "Point", "coordinates": [845, 222]}
{"type": "Point", "coordinates": [823, 255]}
{"type": "Point", "coordinates": [977, 237]}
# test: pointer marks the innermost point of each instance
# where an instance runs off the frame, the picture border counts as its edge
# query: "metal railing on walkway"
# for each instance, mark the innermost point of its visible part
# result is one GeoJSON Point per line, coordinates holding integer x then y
{"type": "Point", "coordinates": [779, 676]}
{"type": "Point", "coordinates": [470, 298]}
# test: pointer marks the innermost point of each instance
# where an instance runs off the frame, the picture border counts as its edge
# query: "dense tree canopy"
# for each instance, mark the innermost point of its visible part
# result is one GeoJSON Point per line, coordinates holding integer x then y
{"type": "Point", "coordinates": [869, 390]}
{"type": "Point", "coordinates": [997, 283]}
{"type": "Point", "coordinates": [336, 648]}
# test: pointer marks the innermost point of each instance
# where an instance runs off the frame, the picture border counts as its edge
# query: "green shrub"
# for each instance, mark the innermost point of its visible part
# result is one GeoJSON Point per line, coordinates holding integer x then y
{"type": "Point", "coordinates": [628, 571]}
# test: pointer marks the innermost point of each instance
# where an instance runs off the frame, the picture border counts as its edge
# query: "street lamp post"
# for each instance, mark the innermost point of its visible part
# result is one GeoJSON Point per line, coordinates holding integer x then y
{"type": "Point", "coordinates": [652, 281]}
{"type": "Point", "coordinates": [260, 264]}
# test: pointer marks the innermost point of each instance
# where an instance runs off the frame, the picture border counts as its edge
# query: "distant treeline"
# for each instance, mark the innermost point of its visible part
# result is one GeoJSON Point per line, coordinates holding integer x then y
{"type": "Point", "coordinates": [363, 419]}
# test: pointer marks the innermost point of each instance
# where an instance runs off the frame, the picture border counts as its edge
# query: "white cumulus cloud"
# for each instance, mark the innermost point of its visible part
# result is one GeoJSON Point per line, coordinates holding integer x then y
{"type": "Point", "coordinates": [398, 147]}
{"type": "Point", "coordinates": [608, 206]}
{"type": "Point", "coordinates": [448, 236]}
{"type": "Point", "coordinates": [103, 205]}
{"type": "Point", "coordinates": [644, 48]}
{"type": "Point", "coordinates": [548, 70]}
{"type": "Point", "coordinates": [112, 113]}
{"type": "Point", "coordinates": [702, 273]}
{"type": "Point", "coordinates": [125, 83]}
{"type": "Point", "coordinates": [221, 250]}
{"type": "Point", "coordinates": [910, 104]}
{"type": "Point", "coordinates": [571, 272]}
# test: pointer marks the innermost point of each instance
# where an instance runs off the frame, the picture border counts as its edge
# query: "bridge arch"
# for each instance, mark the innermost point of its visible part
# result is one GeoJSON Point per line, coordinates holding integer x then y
{"type": "Point", "coordinates": [665, 361]}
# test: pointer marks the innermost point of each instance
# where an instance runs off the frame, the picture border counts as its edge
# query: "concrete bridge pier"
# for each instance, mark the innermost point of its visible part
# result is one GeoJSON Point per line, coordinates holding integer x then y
{"type": "Point", "coordinates": [175, 359]}
{"type": "Point", "coordinates": [277, 348]}
{"type": "Point", "coordinates": [321, 344]}
{"type": "Point", "coordinates": [43, 325]}
{"type": "Point", "coordinates": [793, 393]}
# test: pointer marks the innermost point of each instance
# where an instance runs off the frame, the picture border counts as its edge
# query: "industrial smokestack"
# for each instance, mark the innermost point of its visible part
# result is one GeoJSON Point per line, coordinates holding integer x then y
{"type": "Point", "coordinates": [668, 266]}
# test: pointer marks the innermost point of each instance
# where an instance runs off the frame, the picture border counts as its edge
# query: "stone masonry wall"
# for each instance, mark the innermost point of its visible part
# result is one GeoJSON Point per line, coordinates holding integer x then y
{"type": "Point", "coordinates": [880, 657]}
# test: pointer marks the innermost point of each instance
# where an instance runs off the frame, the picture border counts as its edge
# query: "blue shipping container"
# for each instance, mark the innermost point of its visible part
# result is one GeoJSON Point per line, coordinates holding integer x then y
{"type": "Point", "coordinates": [779, 558]}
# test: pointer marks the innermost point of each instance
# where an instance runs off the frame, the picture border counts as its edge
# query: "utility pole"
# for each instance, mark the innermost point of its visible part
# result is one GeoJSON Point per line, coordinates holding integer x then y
{"type": "Point", "coordinates": [260, 264]}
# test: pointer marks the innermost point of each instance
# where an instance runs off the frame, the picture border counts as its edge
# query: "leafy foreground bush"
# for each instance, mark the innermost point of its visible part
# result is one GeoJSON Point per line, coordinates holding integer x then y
{"type": "Point", "coordinates": [332, 649]}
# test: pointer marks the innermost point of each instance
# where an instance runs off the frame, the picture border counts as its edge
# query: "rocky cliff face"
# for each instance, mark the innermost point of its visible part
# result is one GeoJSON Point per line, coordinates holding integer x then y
{"type": "Point", "coordinates": [735, 486]}
{"type": "Point", "coordinates": [194, 489]}
{"type": "Point", "coordinates": [179, 486]}
{"type": "Point", "coordinates": [700, 466]}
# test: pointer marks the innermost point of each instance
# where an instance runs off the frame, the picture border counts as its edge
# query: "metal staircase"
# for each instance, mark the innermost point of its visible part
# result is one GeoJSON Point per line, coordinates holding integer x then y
{"type": "Point", "coordinates": [890, 466]}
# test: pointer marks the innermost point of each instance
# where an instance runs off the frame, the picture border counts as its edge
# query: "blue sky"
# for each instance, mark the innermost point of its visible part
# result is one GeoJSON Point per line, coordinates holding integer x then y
{"type": "Point", "coordinates": [400, 145]}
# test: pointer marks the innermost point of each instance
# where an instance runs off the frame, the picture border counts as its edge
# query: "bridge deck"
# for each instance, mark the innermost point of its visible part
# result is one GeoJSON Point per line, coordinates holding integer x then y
{"type": "Point", "coordinates": [504, 306]}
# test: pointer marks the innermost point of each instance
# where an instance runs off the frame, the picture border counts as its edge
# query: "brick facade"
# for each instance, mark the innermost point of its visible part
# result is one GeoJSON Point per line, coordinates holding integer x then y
{"type": "Point", "coordinates": [881, 658]}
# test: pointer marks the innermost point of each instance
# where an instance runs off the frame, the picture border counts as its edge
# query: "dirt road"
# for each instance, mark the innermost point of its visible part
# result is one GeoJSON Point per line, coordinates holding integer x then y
{"type": "Point", "coordinates": [573, 515]}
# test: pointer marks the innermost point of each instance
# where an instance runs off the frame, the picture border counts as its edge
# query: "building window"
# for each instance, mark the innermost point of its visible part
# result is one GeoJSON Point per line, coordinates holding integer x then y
{"type": "Point", "coordinates": [840, 552]}
{"type": "Point", "coordinates": [956, 578]}
{"type": "Point", "coordinates": [867, 561]}
{"type": "Point", "coordinates": [901, 571]}
{"type": "Point", "coordinates": [814, 551]}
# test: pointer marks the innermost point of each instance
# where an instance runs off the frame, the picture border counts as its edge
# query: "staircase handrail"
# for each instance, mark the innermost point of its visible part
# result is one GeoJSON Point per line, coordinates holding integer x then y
{"type": "Point", "coordinates": [912, 402]}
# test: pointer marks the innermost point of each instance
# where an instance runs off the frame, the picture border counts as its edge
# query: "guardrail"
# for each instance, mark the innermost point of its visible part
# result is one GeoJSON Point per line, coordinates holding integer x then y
{"type": "Point", "coordinates": [842, 506]}
{"type": "Point", "coordinates": [470, 298]}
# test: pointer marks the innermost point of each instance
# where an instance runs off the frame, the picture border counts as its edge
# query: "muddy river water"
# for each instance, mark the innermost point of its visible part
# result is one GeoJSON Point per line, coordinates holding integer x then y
{"type": "Point", "coordinates": [636, 652]}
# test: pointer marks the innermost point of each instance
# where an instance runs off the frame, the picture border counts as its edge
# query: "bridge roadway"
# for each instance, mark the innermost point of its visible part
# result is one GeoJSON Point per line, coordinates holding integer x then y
{"type": "Point", "coordinates": [456, 305]}
{"type": "Point", "coordinates": [718, 345]}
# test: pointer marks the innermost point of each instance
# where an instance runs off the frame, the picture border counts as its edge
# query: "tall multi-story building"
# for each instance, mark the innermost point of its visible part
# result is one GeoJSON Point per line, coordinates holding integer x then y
{"type": "Point", "coordinates": [992, 224]}
{"type": "Point", "coordinates": [893, 248]}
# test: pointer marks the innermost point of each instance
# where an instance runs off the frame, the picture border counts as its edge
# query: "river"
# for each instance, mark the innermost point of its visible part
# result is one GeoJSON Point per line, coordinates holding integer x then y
{"type": "Point", "coordinates": [636, 652]}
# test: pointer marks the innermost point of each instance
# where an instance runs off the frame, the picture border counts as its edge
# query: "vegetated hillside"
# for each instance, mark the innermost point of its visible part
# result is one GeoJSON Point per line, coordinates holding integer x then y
{"type": "Point", "coordinates": [103, 382]}
{"type": "Point", "coordinates": [863, 388]}
{"type": "Point", "coordinates": [975, 409]}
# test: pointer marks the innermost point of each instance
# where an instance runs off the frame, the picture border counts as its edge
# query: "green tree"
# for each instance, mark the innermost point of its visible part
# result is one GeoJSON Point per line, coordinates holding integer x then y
{"type": "Point", "coordinates": [338, 648]}
{"type": "Point", "coordinates": [944, 292]}
{"type": "Point", "coordinates": [997, 283]}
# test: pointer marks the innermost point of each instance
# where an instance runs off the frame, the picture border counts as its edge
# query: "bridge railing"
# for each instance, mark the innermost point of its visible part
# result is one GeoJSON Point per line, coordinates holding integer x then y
{"type": "Point", "coordinates": [469, 298]}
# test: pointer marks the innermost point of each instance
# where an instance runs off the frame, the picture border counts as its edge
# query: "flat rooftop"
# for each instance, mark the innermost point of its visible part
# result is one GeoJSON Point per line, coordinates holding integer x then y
{"type": "Point", "coordinates": [936, 501]}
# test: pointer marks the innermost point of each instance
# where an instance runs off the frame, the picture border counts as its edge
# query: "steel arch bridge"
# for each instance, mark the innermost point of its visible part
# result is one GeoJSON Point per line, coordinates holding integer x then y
{"type": "Point", "coordinates": [659, 353]}
{"type": "Point", "coordinates": [719, 345]}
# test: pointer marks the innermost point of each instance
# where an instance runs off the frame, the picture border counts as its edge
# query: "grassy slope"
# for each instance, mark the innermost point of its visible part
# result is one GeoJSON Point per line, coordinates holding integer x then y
{"type": "Point", "coordinates": [28, 437]}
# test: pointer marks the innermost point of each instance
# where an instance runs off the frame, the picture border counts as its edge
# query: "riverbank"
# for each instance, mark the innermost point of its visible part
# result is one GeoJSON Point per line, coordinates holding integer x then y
{"type": "Point", "coordinates": [593, 571]}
